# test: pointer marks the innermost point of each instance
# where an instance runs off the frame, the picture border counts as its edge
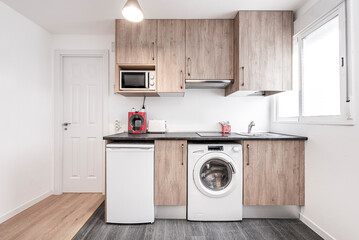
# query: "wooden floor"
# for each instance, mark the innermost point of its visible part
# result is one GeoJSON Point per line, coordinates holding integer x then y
{"type": "Point", "coordinates": [248, 229]}
{"type": "Point", "coordinates": [56, 217]}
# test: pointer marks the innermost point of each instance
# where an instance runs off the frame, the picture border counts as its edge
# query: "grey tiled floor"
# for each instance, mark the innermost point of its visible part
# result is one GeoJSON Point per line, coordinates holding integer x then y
{"type": "Point", "coordinates": [248, 229]}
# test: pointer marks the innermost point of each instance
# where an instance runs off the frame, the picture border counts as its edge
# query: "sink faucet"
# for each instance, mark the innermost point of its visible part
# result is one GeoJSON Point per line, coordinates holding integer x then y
{"type": "Point", "coordinates": [251, 124]}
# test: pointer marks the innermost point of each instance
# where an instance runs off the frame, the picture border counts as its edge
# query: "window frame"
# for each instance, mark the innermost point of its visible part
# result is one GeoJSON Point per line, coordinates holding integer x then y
{"type": "Point", "coordinates": [346, 116]}
{"type": "Point", "coordinates": [294, 119]}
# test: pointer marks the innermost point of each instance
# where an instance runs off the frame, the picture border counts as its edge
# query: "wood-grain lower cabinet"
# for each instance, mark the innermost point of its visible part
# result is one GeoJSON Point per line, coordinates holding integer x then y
{"type": "Point", "coordinates": [171, 56]}
{"type": "Point", "coordinates": [170, 172]}
{"type": "Point", "coordinates": [273, 172]}
{"type": "Point", "coordinates": [209, 49]}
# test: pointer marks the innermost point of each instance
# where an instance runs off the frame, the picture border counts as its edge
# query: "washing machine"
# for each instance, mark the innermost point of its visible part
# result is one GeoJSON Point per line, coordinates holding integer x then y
{"type": "Point", "coordinates": [214, 182]}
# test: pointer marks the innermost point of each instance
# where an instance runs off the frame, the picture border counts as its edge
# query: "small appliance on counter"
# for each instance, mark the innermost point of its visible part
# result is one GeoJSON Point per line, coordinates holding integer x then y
{"type": "Point", "coordinates": [157, 126]}
{"type": "Point", "coordinates": [226, 126]}
{"type": "Point", "coordinates": [137, 120]}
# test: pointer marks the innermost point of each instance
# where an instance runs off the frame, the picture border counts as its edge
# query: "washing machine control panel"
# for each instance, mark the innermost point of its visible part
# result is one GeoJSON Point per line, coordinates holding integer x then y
{"type": "Point", "coordinates": [236, 149]}
{"type": "Point", "coordinates": [215, 148]}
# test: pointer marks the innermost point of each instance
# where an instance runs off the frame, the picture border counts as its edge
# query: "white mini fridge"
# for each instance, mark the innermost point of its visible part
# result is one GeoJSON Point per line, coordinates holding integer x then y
{"type": "Point", "coordinates": [130, 183]}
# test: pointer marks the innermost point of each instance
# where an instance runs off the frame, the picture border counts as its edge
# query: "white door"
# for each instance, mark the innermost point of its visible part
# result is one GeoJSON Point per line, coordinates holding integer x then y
{"type": "Point", "coordinates": [82, 128]}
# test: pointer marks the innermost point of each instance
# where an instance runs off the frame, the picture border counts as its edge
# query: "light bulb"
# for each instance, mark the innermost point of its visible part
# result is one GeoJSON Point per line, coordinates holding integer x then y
{"type": "Point", "coordinates": [132, 11]}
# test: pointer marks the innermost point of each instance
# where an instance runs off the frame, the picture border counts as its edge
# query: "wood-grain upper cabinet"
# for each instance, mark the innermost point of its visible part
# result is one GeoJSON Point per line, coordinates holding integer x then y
{"type": "Point", "coordinates": [171, 56]}
{"type": "Point", "coordinates": [136, 42]}
{"type": "Point", "coordinates": [170, 172]}
{"type": "Point", "coordinates": [262, 51]}
{"type": "Point", "coordinates": [273, 172]}
{"type": "Point", "coordinates": [209, 49]}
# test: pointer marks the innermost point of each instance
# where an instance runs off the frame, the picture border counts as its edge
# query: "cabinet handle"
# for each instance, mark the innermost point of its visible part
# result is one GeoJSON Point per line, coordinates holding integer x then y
{"type": "Point", "coordinates": [153, 50]}
{"type": "Point", "coordinates": [182, 152]}
{"type": "Point", "coordinates": [181, 79]}
{"type": "Point", "coordinates": [247, 154]}
{"type": "Point", "coordinates": [189, 67]}
{"type": "Point", "coordinates": [243, 76]}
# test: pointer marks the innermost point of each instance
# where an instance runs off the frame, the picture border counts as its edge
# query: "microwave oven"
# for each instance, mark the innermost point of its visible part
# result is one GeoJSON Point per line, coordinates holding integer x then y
{"type": "Point", "coordinates": [138, 80]}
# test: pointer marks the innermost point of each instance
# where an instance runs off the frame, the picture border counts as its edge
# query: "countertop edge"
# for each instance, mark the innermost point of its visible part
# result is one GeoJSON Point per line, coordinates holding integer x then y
{"type": "Point", "coordinates": [192, 137]}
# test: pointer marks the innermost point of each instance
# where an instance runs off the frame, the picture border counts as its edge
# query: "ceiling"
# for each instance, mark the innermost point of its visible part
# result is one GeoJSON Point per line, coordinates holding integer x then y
{"type": "Point", "coordinates": [96, 16]}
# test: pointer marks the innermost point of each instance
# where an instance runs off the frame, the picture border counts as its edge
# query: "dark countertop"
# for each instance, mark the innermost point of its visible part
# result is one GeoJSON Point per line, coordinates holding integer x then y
{"type": "Point", "coordinates": [193, 136]}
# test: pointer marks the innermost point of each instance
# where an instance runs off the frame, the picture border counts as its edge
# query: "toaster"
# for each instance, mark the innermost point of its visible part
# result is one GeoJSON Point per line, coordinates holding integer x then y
{"type": "Point", "coordinates": [157, 126]}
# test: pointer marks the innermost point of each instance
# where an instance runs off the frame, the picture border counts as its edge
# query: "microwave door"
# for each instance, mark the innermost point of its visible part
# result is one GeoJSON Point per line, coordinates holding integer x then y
{"type": "Point", "coordinates": [134, 80]}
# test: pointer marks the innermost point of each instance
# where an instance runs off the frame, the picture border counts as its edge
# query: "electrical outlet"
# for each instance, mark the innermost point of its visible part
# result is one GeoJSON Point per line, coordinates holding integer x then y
{"type": "Point", "coordinates": [117, 125]}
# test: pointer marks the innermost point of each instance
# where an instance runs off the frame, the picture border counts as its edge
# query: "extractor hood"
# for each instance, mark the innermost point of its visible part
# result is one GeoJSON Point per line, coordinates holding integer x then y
{"type": "Point", "coordinates": [206, 84]}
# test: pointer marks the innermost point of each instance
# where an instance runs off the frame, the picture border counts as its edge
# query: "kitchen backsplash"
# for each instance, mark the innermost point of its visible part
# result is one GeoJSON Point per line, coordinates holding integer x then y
{"type": "Point", "coordinates": [199, 110]}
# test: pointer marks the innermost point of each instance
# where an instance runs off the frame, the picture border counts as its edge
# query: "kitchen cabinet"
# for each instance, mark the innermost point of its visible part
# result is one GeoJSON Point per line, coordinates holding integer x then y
{"type": "Point", "coordinates": [209, 49]}
{"type": "Point", "coordinates": [273, 172]}
{"type": "Point", "coordinates": [171, 172]}
{"type": "Point", "coordinates": [171, 56]}
{"type": "Point", "coordinates": [262, 51]}
{"type": "Point", "coordinates": [136, 42]}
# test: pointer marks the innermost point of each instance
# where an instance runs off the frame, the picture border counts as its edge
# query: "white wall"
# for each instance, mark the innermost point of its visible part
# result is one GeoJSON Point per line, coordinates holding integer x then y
{"type": "Point", "coordinates": [198, 110]}
{"type": "Point", "coordinates": [332, 160]}
{"type": "Point", "coordinates": [25, 113]}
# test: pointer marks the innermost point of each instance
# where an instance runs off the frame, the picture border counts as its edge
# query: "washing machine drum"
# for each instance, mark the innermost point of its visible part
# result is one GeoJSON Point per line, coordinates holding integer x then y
{"type": "Point", "coordinates": [215, 174]}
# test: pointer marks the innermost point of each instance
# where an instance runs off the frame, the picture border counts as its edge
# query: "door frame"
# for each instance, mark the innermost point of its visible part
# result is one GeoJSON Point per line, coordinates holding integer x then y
{"type": "Point", "coordinates": [58, 92]}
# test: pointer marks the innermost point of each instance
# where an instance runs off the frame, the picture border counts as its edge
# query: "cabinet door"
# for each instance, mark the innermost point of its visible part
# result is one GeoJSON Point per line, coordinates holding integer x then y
{"type": "Point", "coordinates": [136, 42]}
{"type": "Point", "coordinates": [170, 172]}
{"type": "Point", "coordinates": [273, 172]}
{"type": "Point", "coordinates": [263, 51]}
{"type": "Point", "coordinates": [171, 55]}
{"type": "Point", "coordinates": [209, 49]}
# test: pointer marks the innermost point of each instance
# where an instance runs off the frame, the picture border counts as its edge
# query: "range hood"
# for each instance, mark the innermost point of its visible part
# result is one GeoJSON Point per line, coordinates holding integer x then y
{"type": "Point", "coordinates": [206, 84]}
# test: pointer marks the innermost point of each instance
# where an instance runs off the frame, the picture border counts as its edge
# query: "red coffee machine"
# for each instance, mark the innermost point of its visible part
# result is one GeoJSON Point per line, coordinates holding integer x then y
{"type": "Point", "coordinates": [137, 120]}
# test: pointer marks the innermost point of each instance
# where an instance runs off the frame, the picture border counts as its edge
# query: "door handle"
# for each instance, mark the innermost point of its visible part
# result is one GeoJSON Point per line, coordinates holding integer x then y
{"type": "Point", "coordinates": [66, 124]}
{"type": "Point", "coordinates": [232, 168]}
{"type": "Point", "coordinates": [182, 152]}
{"type": "Point", "coordinates": [189, 67]}
{"type": "Point", "coordinates": [153, 50]}
{"type": "Point", "coordinates": [247, 154]}
{"type": "Point", "coordinates": [181, 79]}
{"type": "Point", "coordinates": [243, 76]}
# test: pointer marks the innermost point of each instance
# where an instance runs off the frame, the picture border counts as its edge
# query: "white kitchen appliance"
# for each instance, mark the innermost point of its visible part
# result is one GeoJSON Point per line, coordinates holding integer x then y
{"type": "Point", "coordinates": [138, 80]}
{"type": "Point", "coordinates": [214, 182]}
{"type": "Point", "coordinates": [157, 126]}
{"type": "Point", "coordinates": [130, 183]}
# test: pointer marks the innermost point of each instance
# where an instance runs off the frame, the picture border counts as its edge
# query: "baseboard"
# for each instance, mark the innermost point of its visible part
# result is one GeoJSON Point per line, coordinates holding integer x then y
{"type": "Point", "coordinates": [24, 206]}
{"type": "Point", "coordinates": [271, 212]}
{"type": "Point", "coordinates": [170, 212]}
{"type": "Point", "coordinates": [320, 231]}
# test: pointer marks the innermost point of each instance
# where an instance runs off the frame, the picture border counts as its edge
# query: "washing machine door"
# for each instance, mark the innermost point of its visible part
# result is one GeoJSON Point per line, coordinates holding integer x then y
{"type": "Point", "coordinates": [215, 174]}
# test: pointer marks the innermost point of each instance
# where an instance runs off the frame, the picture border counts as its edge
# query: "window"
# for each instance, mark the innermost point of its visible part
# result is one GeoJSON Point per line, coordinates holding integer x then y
{"type": "Point", "coordinates": [320, 71]}
{"type": "Point", "coordinates": [320, 86]}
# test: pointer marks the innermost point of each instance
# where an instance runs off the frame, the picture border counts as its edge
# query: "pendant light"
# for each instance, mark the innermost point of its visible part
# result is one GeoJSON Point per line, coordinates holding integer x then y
{"type": "Point", "coordinates": [132, 11]}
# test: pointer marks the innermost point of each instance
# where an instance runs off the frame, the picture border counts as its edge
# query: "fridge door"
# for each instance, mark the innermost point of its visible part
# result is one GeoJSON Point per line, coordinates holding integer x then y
{"type": "Point", "coordinates": [130, 183]}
